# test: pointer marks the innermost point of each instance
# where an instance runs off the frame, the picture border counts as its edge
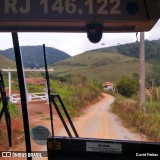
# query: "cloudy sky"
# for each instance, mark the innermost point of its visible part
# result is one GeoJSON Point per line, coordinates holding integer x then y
{"type": "Point", "coordinates": [75, 43]}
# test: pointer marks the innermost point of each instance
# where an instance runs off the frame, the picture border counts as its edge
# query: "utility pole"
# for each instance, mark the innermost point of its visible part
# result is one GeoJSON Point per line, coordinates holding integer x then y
{"type": "Point", "coordinates": [142, 72]}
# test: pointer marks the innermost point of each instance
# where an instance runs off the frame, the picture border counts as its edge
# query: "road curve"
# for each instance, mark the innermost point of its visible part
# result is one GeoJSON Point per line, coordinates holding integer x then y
{"type": "Point", "coordinates": [99, 122]}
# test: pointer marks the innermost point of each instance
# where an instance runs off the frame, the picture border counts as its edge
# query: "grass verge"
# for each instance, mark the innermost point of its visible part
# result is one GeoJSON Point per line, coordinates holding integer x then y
{"type": "Point", "coordinates": [146, 123]}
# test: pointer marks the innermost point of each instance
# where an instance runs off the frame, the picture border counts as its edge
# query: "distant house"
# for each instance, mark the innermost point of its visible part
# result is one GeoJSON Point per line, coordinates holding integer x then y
{"type": "Point", "coordinates": [108, 86]}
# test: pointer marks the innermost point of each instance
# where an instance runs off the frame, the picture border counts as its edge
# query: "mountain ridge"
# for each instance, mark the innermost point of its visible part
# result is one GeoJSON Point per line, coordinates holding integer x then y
{"type": "Point", "coordinates": [33, 55]}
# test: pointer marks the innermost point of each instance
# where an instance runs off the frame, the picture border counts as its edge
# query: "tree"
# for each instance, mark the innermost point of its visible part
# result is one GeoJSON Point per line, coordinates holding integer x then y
{"type": "Point", "coordinates": [126, 86]}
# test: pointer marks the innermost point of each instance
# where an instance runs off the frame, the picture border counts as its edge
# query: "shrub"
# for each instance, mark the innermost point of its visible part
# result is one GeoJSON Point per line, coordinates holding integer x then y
{"type": "Point", "coordinates": [126, 86]}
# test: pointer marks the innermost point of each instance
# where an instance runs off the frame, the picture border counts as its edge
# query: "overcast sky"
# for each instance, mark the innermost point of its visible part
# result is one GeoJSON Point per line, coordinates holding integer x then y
{"type": "Point", "coordinates": [75, 43]}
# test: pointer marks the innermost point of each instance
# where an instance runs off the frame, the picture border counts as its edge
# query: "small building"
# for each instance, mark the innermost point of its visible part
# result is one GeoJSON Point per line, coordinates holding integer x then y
{"type": "Point", "coordinates": [108, 86]}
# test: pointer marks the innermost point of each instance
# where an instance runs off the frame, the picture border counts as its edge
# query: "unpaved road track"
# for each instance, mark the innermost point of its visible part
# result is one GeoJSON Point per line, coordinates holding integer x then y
{"type": "Point", "coordinates": [99, 122]}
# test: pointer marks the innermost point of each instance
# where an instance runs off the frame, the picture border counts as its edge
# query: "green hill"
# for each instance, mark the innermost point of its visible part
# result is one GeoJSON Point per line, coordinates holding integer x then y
{"type": "Point", "coordinates": [33, 55]}
{"type": "Point", "coordinates": [103, 66]}
{"type": "Point", "coordinates": [6, 63]}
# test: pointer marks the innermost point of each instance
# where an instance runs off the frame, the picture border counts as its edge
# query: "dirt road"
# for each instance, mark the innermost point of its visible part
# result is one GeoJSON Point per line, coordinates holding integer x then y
{"type": "Point", "coordinates": [99, 122]}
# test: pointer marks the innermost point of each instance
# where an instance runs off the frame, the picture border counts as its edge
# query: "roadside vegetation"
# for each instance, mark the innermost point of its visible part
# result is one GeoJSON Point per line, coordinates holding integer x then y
{"type": "Point", "coordinates": [127, 107]}
{"type": "Point", "coordinates": [146, 123]}
{"type": "Point", "coordinates": [76, 91]}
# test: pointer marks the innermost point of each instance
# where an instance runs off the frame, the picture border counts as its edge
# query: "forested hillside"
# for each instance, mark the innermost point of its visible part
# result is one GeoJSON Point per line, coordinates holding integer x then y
{"type": "Point", "coordinates": [152, 49]}
{"type": "Point", "coordinates": [33, 56]}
